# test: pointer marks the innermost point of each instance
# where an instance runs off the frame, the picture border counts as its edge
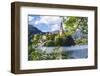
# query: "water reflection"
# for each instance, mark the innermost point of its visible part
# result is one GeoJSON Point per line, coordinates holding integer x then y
{"type": "Point", "coordinates": [73, 52]}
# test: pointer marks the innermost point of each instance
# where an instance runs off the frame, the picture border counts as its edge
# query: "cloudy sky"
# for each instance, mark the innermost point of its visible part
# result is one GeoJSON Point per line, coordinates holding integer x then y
{"type": "Point", "coordinates": [45, 23]}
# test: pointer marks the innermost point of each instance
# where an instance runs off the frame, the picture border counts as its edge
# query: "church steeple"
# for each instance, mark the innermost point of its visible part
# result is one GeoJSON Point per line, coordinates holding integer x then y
{"type": "Point", "coordinates": [61, 26]}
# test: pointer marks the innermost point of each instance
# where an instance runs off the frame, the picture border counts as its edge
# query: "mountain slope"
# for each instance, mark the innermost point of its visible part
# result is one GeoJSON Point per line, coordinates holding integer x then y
{"type": "Point", "coordinates": [31, 31]}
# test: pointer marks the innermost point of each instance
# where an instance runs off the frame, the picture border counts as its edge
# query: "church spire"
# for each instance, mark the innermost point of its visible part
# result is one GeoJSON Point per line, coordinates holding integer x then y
{"type": "Point", "coordinates": [61, 26]}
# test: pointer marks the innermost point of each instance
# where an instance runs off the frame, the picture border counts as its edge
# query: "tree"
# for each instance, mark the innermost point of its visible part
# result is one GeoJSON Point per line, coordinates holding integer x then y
{"type": "Point", "coordinates": [73, 23]}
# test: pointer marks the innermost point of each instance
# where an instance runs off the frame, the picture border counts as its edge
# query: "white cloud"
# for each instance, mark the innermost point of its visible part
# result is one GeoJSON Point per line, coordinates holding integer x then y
{"type": "Point", "coordinates": [55, 27]}
{"type": "Point", "coordinates": [52, 22]}
{"type": "Point", "coordinates": [30, 18]}
{"type": "Point", "coordinates": [51, 19]}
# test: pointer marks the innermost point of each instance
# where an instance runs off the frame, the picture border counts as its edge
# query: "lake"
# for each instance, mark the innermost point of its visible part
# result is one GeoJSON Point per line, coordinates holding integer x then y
{"type": "Point", "coordinates": [74, 52]}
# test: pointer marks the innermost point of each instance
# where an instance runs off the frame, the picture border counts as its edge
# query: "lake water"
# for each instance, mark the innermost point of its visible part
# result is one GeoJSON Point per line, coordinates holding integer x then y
{"type": "Point", "coordinates": [74, 52]}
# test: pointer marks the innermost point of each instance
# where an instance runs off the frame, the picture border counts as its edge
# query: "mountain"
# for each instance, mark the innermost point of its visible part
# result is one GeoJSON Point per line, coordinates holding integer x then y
{"type": "Point", "coordinates": [32, 30]}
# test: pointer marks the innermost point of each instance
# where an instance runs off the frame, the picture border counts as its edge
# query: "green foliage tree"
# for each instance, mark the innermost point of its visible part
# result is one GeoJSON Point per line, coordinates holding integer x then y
{"type": "Point", "coordinates": [72, 23]}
